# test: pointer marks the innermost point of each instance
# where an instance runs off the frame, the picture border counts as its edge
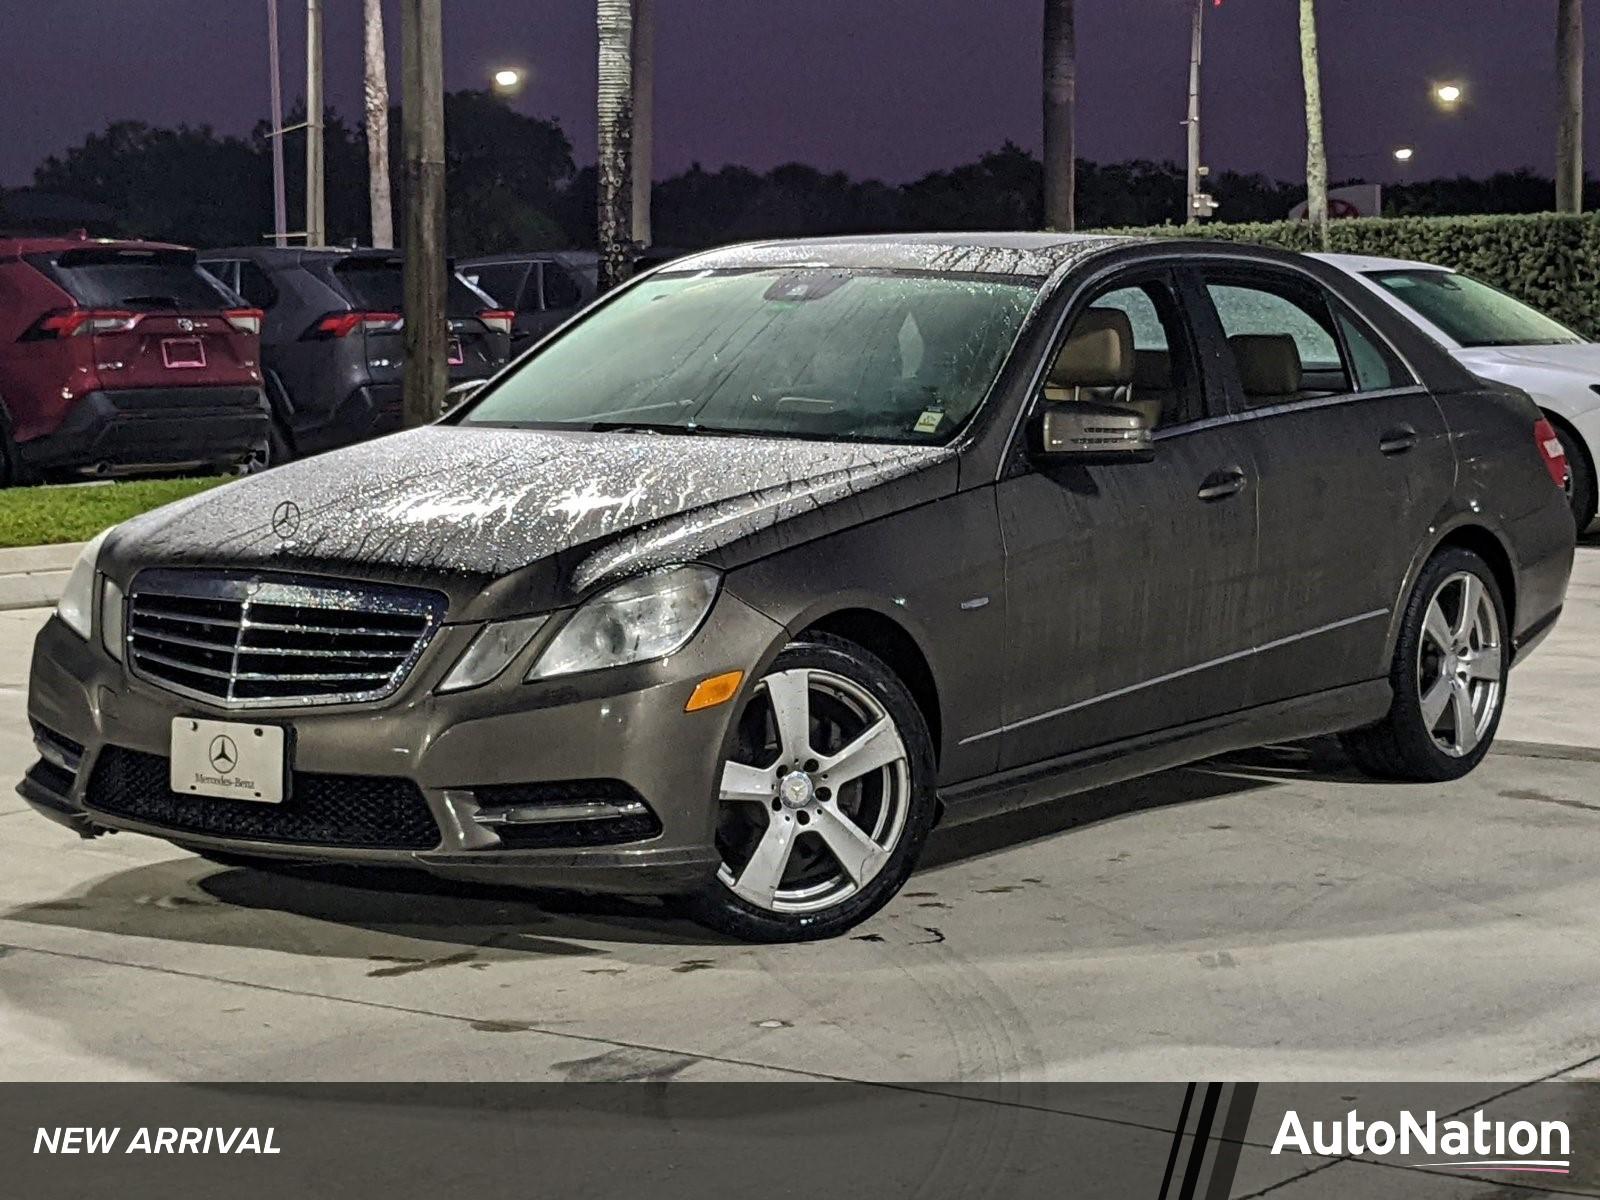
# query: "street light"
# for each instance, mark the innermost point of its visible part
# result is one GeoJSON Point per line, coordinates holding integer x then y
{"type": "Point", "coordinates": [509, 79]}
{"type": "Point", "coordinates": [1404, 154]}
{"type": "Point", "coordinates": [1448, 94]}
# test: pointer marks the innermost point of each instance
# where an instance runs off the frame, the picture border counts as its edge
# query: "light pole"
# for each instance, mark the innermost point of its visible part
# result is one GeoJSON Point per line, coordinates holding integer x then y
{"type": "Point", "coordinates": [1196, 44]}
{"type": "Point", "coordinates": [316, 195]}
{"type": "Point", "coordinates": [280, 204]}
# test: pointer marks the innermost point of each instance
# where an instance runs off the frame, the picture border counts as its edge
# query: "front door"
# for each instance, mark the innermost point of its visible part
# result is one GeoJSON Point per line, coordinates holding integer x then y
{"type": "Point", "coordinates": [1355, 464]}
{"type": "Point", "coordinates": [1127, 584]}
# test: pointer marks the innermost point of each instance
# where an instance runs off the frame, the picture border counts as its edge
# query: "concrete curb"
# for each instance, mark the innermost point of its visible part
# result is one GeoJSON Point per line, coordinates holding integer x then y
{"type": "Point", "coordinates": [33, 576]}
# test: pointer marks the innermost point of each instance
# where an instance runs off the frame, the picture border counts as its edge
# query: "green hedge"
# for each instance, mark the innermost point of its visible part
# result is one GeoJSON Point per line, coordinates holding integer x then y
{"type": "Point", "coordinates": [1551, 262]}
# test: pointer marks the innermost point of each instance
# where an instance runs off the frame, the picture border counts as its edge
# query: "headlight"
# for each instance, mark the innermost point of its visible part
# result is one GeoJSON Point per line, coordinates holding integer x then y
{"type": "Point", "coordinates": [490, 653]}
{"type": "Point", "coordinates": [77, 598]}
{"type": "Point", "coordinates": [644, 618]}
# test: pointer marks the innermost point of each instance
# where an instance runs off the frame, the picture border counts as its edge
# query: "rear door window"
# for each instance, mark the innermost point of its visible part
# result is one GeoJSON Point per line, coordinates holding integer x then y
{"type": "Point", "coordinates": [1282, 337]}
{"type": "Point", "coordinates": [502, 281]}
{"type": "Point", "coordinates": [143, 280]}
{"type": "Point", "coordinates": [255, 286]}
{"type": "Point", "coordinates": [378, 285]}
{"type": "Point", "coordinates": [560, 291]}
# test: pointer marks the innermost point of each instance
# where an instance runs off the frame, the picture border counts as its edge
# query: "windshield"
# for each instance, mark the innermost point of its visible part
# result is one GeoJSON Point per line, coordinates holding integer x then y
{"type": "Point", "coordinates": [1472, 313]}
{"type": "Point", "coordinates": [812, 353]}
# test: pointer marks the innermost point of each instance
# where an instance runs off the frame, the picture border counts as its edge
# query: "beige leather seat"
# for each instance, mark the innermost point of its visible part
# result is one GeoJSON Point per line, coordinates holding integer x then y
{"type": "Point", "coordinates": [1096, 363]}
{"type": "Point", "coordinates": [1269, 366]}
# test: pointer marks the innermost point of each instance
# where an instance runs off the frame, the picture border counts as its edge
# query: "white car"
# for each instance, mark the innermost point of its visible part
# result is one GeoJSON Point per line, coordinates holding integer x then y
{"type": "Point", "coordinates": [1498, 337]}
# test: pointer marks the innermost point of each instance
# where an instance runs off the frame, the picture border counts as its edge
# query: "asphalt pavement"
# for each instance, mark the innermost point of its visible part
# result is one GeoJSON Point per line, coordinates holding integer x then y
{"type": "Point", "coordinates": [1270, 915]}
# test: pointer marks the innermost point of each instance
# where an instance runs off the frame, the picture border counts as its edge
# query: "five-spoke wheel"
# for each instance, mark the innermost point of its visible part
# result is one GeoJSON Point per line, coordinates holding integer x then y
{"type": "Point", "coordinates": [1459, 668]}
{"type": "Point", "coordinates": [1448, 675]}
{"type": "Point", "coordinates": [825, 797]}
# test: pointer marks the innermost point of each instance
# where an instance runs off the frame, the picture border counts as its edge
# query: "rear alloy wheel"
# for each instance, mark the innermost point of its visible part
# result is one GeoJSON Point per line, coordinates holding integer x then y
{"type": "Point", "coordinates": [825, 800]}
{"type": "Point", "coordinates": [1449, 676]}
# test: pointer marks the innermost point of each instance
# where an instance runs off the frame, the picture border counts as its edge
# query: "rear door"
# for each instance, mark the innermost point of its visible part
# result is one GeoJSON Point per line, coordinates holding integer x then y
{"type": "Point", "coordinates": [1355, 463]}
{"type": "Point", "coordinates": [165, 324]}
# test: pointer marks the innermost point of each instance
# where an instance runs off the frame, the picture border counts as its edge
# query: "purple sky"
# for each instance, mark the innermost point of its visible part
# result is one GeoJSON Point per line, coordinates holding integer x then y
{"type": "Point", "coordinates": [886, 88]}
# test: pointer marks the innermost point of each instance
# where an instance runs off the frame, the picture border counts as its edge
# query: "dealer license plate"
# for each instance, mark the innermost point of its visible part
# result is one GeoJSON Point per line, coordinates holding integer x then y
{"type": "Point", "coordinates": [235, 760]}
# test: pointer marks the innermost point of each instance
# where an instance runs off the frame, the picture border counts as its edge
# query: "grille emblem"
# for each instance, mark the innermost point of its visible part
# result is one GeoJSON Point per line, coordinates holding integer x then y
{"type": "Point", "coordinates": [286, 520]}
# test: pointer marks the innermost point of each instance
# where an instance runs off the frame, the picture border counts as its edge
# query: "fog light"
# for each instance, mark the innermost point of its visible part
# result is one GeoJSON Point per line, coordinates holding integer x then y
{"type": "Point", "coordinates": [719, 689]}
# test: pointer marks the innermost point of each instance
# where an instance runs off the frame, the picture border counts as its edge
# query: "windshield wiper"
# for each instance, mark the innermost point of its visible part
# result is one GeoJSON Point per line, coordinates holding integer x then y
{"type": "Point", "coordinates": [152, 301]}
{"type": "Point", "coordinates": [673, 428]}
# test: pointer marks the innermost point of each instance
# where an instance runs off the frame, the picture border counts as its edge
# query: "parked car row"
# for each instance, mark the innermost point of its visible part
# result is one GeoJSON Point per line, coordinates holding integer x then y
{"type": "Point", "coordinates": [125, 357]}
{"type": "Point", "coordinates": [122, 356]}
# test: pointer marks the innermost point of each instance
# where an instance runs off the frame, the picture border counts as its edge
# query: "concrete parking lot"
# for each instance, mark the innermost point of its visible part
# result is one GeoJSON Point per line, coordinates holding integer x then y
{"type": "Point", "coordinates": [1270, 916]}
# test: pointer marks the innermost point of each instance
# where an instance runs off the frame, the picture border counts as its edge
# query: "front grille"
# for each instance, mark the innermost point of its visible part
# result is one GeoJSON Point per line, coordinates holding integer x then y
{"type": "Point", "coordinates": [245, 641]}
{"type": "Point", "coordinates": [367, 812]}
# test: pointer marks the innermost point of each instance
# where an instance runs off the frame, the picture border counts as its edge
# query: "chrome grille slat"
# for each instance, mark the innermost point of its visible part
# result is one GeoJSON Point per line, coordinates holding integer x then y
{"type": "Point", "coordinates": [170, 616]}
{"type": "Point", "coordinates": [193, 632]}
{"type": "Point", "coordinates": [351, 630]}
{"type": "Point", "coordinates": [179, 664]}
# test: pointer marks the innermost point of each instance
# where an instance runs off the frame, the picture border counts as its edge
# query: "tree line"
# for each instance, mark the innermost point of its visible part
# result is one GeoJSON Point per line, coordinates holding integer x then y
{"type": "Point", "coordinates": [512, 183]}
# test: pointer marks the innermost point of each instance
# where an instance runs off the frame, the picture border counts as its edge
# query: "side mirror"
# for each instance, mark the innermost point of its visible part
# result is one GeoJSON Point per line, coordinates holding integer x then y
{"type": "Point", "coordinates": [1073, 431]}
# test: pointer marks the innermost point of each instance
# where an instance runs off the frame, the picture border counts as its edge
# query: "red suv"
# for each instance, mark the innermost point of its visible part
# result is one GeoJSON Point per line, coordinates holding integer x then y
{"type": "Point", "coordinates": [119, 357]}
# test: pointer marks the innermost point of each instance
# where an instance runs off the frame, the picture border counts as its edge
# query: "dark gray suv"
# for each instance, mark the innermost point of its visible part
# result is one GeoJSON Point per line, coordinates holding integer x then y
{"type": "Point", "coordinates": [333, 342]}
{"type": "Point", "coordinates": [782, 553]}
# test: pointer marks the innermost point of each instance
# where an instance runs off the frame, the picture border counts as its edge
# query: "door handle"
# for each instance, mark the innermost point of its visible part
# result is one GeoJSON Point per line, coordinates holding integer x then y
{"type": "Point", "coordinates": [1397, 440]}
{"type": "Point", "coordinates": [1221, 484]}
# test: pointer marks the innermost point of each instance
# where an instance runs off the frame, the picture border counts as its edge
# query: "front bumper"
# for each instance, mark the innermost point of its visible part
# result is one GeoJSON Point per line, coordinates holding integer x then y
{"type": "Point", "coordinates": [118, 432]}
{"type": "Point", "coordinates": [464, 753]}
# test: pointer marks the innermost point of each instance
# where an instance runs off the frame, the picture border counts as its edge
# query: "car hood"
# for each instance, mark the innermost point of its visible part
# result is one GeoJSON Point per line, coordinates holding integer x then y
{"type": "Point", "coordinates": [1565, 370]}
{"type": "Point", "coordinates": [480, 504]}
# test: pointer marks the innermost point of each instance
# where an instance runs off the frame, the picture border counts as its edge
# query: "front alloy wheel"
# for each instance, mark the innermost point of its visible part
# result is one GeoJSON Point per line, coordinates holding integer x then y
{"type": "Point", "coordinates": [825, 799]}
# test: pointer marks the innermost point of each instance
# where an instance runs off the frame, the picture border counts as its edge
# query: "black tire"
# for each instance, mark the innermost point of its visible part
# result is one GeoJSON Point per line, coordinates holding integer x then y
{"type": "Point", "coordinates": [13, 471]}
{"type": "Point", "coordinates": [719, 908]}
{"type": "Point", "coordinates": [1580, 474]}
{"type": "Point", "coordinates": [1402, 745]}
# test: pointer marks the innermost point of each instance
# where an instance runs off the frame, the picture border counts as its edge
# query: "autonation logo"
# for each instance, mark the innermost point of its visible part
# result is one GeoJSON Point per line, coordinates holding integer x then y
{"type": "Point", "coordinates": [1473, 1144]}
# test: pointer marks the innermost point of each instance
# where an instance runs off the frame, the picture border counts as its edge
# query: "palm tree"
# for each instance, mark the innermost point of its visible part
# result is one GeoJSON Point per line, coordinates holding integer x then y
{"type": "Point", "coordinates": [1569, 85]}
{"type": "Point", "coordinates": [1060, 115]}
{"type": "Point", "coordinates": [1316, 151]}
{"type": "Point", "coordinates": [614, 170]}
{"type": "Point", "coordinates": [376, 93]}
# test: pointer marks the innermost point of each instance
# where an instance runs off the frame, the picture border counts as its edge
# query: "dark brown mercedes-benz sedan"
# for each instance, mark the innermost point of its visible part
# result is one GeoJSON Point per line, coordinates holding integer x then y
{"type": "Point", "coordinates": [736, 584]}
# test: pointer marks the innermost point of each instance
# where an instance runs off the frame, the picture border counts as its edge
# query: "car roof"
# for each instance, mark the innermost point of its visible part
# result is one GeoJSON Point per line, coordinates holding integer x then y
{"type": "Point", "coordinates": [17, 247]}
{"type": "Point", "coordinates": [1358, 264]}
{"type": "Point", "coordinates": [522, 256]}
{"type": "Point", "coordinates": [1021, 253]}
{"type": "Point", "coordinates": [299, 254]}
